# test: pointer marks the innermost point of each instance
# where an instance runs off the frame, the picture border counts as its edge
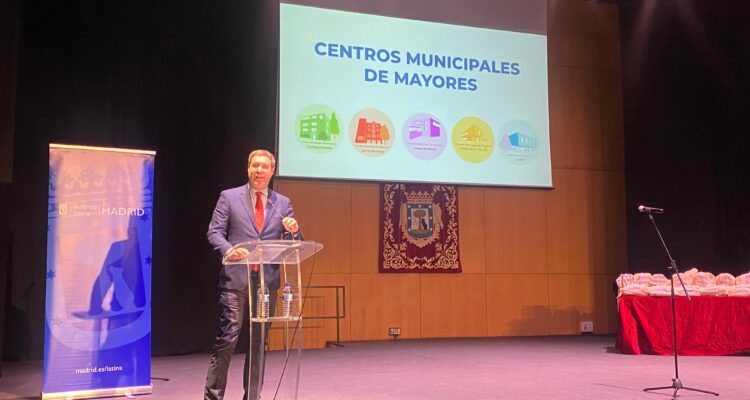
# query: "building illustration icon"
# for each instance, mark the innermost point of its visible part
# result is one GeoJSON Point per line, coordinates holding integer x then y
{"type": "Point", "coordinates": [522, 142]}
{"type": "Point", "coordinates": [371, 132]}
{"type": "Point", "coordinates": [472, 134]}
{"type": "Point", "coordinates": [427, 127]}
{"type": "Point", "coordinates": [319, 127]}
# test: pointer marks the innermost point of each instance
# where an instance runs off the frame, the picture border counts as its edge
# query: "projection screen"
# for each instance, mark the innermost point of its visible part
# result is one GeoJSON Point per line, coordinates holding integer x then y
{"type": "Point", "coordinates": [365, 96]}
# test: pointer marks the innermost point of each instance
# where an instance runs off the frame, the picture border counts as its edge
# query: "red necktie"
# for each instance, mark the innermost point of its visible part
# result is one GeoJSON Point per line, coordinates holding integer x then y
{"type": "Point", "coordinates": [259, 218]}
{"type": "Point", "coordinates": [259, 215]}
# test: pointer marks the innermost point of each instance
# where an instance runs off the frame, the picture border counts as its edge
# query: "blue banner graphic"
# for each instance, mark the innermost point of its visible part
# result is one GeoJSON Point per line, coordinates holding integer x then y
{"type": "Point", "coordinates": [98, 307]}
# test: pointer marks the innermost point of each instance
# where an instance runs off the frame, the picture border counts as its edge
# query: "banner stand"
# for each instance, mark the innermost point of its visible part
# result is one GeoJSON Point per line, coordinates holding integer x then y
{"type": "Point", "coordinates": [99, 257]}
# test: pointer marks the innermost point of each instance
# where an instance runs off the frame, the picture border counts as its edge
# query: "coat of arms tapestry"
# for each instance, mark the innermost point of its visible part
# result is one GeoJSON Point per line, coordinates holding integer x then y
{"type": "Point", "coordinates": [418, 228]}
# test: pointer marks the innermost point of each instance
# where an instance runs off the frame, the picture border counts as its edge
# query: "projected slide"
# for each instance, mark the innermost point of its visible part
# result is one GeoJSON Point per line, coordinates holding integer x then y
{"type": "Point", "coordinates": [365, 97]}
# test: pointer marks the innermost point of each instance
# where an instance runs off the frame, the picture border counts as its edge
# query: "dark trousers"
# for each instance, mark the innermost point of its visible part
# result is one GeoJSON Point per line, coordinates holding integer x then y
{"type": "Point", "coordinates": [233, 305]}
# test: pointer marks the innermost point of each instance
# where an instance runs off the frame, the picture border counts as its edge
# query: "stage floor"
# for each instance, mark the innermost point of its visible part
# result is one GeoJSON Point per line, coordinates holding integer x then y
{"type": "Point", "coordinates": [557, 367]}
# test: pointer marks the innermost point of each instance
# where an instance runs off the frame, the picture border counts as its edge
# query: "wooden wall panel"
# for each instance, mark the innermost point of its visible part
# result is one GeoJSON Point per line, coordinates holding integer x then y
{"type": "Point", "coordinates": [380, 301]}
{"type": "Point", "coordinates": [608, 35]}
{"type": "Point", "coordinates": [517, 305]}
{"type": "Point", "coordinates": [586, 222]}
{"type": "Point", "coordinates": [471, 231]}
{"type": "Point", "coordinates": [572, 50]}
{"type": "Point", "coordinates": [597, 24]}
{"type": "Point", "coordinates": [575, 130]}
{"type": "Point", "coordinates": [454, 305]}
{"type": "Point", "coordinates": [516, 231]}
{"type": "Point", "coordinates": [612, 212]}
{"type": "Point", "coordinates": [323, 212]}
{"type": "Point", "coordinates": [571, 299]}
{"type": "Point", "coordinates": [323, 304]}
{"type": "Point", "coordinates": [597, 213]}
{"type": "Point", "coordinates": [579, 17]}
{"type": "Point", "coordinates": [613, 131]}
{"type": "Point", "coordinates": [569, 223]}
{"type": "Point", "coordinates": [365, 236]}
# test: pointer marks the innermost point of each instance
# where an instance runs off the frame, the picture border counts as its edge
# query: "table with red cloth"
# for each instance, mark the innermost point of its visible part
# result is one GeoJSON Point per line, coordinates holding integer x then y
{"type": "Point", "coordinates": [706, 326]}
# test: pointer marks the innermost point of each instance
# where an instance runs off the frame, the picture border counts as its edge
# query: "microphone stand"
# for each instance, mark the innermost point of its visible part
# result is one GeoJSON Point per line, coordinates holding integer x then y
{"type": "Point", "coordinates": [672, 269]}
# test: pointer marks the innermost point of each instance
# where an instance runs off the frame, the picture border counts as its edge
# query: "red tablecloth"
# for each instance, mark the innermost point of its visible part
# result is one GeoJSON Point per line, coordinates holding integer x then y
{"type": "Point", "coordinates": [705, 326]}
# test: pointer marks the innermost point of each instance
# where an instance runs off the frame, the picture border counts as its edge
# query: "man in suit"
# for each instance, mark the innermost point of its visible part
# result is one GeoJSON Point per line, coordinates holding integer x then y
{"type": "Point", "coordinates": [246, 213]}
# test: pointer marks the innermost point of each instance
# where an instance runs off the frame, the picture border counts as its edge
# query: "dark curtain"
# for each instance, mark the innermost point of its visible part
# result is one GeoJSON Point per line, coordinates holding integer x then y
{"type": "Point", "coordinates": [687, 131]}
{"type": "Point", "coordinates": [9, 32]}
{"type": "Point", "coordinates": [194, 81]}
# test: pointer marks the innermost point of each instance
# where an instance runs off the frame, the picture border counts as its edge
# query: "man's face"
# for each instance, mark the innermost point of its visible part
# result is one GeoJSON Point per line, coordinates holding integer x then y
{"type": "Point", "coordinates": [259, 172]}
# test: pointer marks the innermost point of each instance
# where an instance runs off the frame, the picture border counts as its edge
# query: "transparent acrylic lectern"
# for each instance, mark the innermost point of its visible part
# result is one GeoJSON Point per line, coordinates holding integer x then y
{"type": "Point", "coordinates": [288, 254]}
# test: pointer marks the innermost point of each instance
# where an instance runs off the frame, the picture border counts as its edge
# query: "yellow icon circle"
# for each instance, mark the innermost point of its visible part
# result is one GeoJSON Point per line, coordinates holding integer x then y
{"type": "Point", "coordinates": [473, 139]}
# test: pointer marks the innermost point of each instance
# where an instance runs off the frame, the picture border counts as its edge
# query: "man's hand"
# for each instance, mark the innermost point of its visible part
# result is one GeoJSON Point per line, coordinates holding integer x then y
{"type": "Point", "coordinates": [290, 224]}
{"type": "Point", "coordinates": [237, 254]}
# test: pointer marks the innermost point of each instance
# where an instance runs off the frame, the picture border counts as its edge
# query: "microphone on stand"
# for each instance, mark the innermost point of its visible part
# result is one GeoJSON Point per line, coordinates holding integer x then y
{"type": "Point", "coordinates": [650, 210]}
{"type": "Point", "coordinates": [270, 203]}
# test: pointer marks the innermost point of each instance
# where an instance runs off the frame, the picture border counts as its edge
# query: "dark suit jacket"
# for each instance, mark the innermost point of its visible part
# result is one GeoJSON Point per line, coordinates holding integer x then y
{"type": "Point", "coordinates": [233, 222]}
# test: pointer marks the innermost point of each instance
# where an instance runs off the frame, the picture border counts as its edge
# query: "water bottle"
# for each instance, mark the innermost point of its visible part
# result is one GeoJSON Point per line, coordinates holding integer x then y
{"type": "Point", "coordinates": [262, 303]}
{"type": "Point", "coordinates": [286, 300]}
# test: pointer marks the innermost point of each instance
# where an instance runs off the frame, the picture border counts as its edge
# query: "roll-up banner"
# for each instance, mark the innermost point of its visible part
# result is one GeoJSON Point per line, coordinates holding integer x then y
{"type": "Point", "coordinates": [97, 339]}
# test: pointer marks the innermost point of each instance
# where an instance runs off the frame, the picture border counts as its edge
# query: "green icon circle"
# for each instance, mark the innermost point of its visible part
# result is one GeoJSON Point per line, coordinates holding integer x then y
{"type": "Point", "coordinates": [318, 128]}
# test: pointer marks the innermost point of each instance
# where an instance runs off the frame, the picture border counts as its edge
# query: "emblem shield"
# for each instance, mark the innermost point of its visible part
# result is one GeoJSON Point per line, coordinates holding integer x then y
{"type": "Point", "coordinates": [420, 222]}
